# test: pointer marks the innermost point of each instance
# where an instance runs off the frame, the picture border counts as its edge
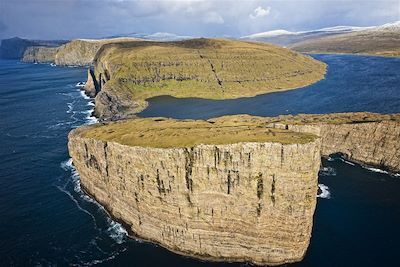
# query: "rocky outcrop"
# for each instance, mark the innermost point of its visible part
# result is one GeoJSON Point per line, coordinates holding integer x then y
{"type": "Point", "coordinates": [91, 87]}
{"type": "Point", "coordinates": [245, 201]}
{"type": "Point", "coordinates": [366, 138]}
{"type": "Point", "coordinates": [371, 143]}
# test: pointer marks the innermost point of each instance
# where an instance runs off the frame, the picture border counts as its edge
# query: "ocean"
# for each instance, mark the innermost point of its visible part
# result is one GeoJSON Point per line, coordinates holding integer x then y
{"type": "Point", "coordinates": [46, 220]}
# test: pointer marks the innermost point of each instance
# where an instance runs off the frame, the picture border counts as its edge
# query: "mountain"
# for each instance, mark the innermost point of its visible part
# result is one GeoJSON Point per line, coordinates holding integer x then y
{"type": "Point", "coordinates": [158, 36]}
{"type": "Point", "coordinates": [14, 48]}
{"type": "Point", "coordinates": [381, 40]}
{"type": "Point", "coordinates": [287, 38]}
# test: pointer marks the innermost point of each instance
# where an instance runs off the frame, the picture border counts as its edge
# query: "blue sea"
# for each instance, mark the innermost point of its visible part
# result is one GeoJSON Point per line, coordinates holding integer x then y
{"type": "Point", "coordinates": [46, 220]}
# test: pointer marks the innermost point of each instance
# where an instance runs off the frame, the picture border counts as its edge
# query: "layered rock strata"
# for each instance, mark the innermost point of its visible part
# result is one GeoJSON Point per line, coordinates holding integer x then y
{"type": "Point", "coordinates": [242, 201]}
{"type": "Point", "coordinates": [40, 54]}
{"type": "Point", "coordinates": [366, 138]}
{"type": "Point", "coordinates": [79, 52]}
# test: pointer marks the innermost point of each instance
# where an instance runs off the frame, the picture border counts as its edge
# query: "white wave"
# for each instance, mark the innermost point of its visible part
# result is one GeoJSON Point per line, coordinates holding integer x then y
{"type": "Point", "coordinates": [84, 95]}
{"type": "Point", "coordinates": [70, 107]}
{"type": "Point", "coordinates": [324, 191]}
{"type": "Point", "coordinates": [376, 170]}
{"type": "Point", "coordinates": [115, 230]}
{"type": "Point", "coordinates": [67, 165]}
{"type": "Point", "coordinates": [330, 159]}
{"type": "Point", "coordinates": [91, 104]}
{"type": "Point", "coordinates": [327, 171]}
{"type": "Point", "coordinates": [348, 162]}
{"type": "Point", "coordinates": [90, 119]}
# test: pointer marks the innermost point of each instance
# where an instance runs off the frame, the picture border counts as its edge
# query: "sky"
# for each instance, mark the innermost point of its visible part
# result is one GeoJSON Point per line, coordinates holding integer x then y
{"type": "Point", "coordinates": [68, 19]}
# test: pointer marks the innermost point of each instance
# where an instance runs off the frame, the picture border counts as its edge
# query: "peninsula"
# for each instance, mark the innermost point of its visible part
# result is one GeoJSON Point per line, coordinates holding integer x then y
{"type": "Point", "coordinates": [126, 74]}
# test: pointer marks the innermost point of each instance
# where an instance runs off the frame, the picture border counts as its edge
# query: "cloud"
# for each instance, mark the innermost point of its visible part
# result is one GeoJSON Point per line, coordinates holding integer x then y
{"type": "Point", "coordinates": [3, 27]}
{"type": "Point", "coordinates": [260, 12]}
{"type": "Point", "coordinates": [213, 17]}
{"type": "Point", "coordinates": [64, 19]}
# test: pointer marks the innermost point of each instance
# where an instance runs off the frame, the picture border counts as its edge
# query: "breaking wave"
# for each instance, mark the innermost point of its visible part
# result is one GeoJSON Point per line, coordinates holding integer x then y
{"type": "Point", "coordinates": [327, 171]}
{"type": "Point", "coordinates": [115, 230]}
{"type": "Point", "coordinates": [324, 191]}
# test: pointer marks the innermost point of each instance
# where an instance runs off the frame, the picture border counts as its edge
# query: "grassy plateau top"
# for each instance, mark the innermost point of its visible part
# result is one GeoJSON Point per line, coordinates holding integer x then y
{"type": "Point", "coordinates": [169, 133]}
{"type": "Point", "coordinates": [204, 68]}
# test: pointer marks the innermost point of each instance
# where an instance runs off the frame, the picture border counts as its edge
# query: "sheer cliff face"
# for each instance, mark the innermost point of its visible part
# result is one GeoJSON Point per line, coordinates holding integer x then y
{"type": "Point", "coordinates": [367, 138]}
{"type": "Point", "coordinates": [238, 202]}
{"type": "Point", "coordinates": [80, 52]}
{"type": "Point", "coordinates": [39, 54]}
{"type": "Point", "coordinates": [375, 143]}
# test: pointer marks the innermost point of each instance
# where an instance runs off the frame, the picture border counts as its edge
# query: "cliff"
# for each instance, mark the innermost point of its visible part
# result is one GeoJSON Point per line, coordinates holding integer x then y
{"type": "Point", "coordinates": [205, 189]}
{"type": "Point", "coordinates": [366, 138]}
{"type": "Point", "coordinates": [80, 52]}
{"type": "Point", "coordinates": [234, 188]}
{"type": "Point", "coordinates": [39, 54]}
{"type": "Point", "coordinates": [129, 73]}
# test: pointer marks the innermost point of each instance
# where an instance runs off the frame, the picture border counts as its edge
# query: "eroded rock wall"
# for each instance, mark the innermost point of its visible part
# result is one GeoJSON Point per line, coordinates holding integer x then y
{"type": "Point", "coordinates": [241, 202]}
{"type": "Point", "coordinates": [373, 141]}
{"type": "Point", "coordinates": [39, 54]}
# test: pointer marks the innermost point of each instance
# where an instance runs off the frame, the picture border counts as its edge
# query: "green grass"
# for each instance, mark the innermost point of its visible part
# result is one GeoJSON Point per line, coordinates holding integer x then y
{"type": "Point", "coordinates": [204, 68]}
{"type": "Point", "coordinates": [168, 133]}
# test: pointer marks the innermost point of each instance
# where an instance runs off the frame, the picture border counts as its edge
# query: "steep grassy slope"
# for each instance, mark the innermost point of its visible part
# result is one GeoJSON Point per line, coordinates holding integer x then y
{"type": "Point", "coordinates": [380, 42]}
{"type": "Point", "coordinates": [205, 68]}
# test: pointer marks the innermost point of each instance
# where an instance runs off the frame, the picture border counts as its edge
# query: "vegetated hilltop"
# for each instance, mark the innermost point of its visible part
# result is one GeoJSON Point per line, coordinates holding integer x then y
{"type": "Point", "coordinates": [169, 133]}
{"type": "Point", "coordinates": [381, 41]}
{"type": "Point", "coordinates": [80, 52]}
{"type": "Point", "coordinates": [126, 74]}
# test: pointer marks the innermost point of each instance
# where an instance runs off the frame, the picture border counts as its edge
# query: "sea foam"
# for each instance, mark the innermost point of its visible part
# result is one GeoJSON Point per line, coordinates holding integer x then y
{"type": "Point", "coordinates": [324, 191]}
{"type": "Point", "coordinates": [115, 230]}
{"type": "Point", "coordinates": [84, 95]}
